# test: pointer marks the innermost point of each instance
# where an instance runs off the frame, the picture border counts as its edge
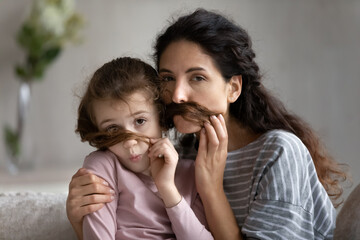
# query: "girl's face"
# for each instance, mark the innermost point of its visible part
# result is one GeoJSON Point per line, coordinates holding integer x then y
{"type": "Point", "coordinates": [191, 76]}
{"type": "Point", "coordinates": [139, 115]}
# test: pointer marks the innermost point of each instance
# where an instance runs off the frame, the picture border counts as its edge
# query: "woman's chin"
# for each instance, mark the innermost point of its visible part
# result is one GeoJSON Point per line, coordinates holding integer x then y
{"type": "Point", "coordinates": [185, 126]}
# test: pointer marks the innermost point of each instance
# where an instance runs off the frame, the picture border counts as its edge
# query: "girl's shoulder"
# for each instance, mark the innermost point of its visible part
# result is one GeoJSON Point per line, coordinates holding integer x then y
{"type": "Point", "coordinates": [100, 158]}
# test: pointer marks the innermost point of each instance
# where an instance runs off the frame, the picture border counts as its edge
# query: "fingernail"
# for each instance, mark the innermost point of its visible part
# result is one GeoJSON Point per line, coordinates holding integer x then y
{"type": "Point", "coordinates": [213, 116]}
{"type": "Point", "coordinates": [112, 191]}
{"type": "Point", "coordinates": [112, 197]}
{"type": "Point", "coordinates": [105, 183]}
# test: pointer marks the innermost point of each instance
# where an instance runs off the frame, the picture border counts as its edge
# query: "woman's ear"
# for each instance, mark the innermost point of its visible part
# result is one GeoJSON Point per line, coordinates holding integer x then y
{"type": "Point", "coordinates": [235, 86]}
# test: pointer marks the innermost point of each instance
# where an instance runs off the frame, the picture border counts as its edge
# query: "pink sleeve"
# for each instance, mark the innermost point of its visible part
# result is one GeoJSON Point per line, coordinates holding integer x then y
{"type": "Point", "coordinates": [187, 225]}
{"type": "Point", "coordinates": [102, 223]}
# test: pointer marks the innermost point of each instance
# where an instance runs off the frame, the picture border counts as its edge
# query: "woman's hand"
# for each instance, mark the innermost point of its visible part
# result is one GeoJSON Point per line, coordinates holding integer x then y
{"type": "Point", "coordinates": [87, 193]}
{"type": "Point", "coordinates": [163, 169]}
{"type": "Point", "coordinates": [211, 158]}
{"type": "Point", "coordinates": [209, 173]}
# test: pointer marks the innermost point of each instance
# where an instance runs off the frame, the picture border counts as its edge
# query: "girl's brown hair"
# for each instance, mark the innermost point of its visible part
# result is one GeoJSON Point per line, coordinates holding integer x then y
{"type": "Point", "coordinates": [116, 79]}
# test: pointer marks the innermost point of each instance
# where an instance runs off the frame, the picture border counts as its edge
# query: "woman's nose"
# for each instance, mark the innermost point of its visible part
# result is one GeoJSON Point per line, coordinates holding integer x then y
{"type": "Point", "coordinates": [180, 93]}
{"type": "Point", "coordinates": [129, 143]}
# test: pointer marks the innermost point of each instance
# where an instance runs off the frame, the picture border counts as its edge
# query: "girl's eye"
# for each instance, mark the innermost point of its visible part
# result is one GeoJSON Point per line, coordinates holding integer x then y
{"type": "Point", "coordinates": [140, 121]}
{"type": "Point", "coordinates": [198, 78]}
{"type": "Point", "coordinates": [112, 129]}
{"type": "Point", "coordinates": [167, 78]}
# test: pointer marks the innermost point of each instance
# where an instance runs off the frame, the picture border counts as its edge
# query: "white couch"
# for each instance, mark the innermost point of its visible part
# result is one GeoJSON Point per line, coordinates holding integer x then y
{"type": "Point", "coordinates": [42, 216]}
{"type": "Point", "coordinates": [31, 215]}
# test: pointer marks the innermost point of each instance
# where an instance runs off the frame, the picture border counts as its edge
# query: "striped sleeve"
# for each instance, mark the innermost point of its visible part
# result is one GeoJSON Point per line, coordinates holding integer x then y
{"type": "Point", "coordinates": [290, 202]}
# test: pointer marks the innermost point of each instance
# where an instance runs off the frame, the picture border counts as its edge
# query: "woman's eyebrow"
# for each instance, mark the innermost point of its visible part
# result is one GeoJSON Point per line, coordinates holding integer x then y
{"type": "Point", "coordinates": [164, 70]}
{"type": "Point", "coordinates": [195, 69]}
{"type": "Point", "coordinates": [187, 71]}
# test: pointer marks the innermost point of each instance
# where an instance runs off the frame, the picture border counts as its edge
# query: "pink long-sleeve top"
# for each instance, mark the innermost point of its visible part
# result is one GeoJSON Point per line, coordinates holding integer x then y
{"type": "Point", "coordinates": [138, 212]}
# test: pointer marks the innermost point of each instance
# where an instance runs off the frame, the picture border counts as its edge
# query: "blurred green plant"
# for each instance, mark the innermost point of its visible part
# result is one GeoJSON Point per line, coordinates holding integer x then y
{"type": "Point", "coordinates": [51, 24]}
{"type": "Point", "coordinates": [43, 35]}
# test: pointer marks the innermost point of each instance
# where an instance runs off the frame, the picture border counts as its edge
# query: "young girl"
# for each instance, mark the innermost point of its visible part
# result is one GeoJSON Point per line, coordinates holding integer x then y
{"type": "Point", "coordinates": [154, 195]}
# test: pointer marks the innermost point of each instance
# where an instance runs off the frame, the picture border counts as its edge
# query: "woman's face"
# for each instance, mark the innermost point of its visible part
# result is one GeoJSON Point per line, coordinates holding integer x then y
{"type": "Point", "coordinates": [190, 75]}
{"type": "Point", "coordinates": [138, 115]}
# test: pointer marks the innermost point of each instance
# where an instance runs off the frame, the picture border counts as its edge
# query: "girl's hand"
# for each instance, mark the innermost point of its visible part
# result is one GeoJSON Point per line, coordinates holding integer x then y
{"type": "Point", "coordinates": [211, 158]}
{"type": "Point", "coordinates": [87, 193]}
{"type": "Point", "coordinates": [163, 169]}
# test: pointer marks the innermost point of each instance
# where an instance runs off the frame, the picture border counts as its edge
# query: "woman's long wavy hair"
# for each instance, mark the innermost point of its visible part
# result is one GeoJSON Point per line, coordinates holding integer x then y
{"type": "Point", "coordinates": [116, 80]}
{"type": "Point", "coordinates": [230, 47]}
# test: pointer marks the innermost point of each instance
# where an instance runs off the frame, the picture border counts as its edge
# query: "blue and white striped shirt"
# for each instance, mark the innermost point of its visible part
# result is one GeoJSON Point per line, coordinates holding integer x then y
{"type": "Point", "coordinates": [274, 192]}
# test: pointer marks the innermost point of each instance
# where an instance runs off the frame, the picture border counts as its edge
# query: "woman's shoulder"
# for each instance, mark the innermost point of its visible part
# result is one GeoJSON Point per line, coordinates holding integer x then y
{"type": "Point", "coordinates": [276, 140]}
{"type": "Point", "coordinates": [282, 139]}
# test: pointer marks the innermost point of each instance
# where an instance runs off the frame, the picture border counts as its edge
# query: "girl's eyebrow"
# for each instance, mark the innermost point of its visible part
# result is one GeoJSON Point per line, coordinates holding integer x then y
{"type": "Point", "coordinates": [140, 112]}
{"type": "Point", "coordinates": [105, 121]}
{"type": "Point", "coordinates": [132, 114]}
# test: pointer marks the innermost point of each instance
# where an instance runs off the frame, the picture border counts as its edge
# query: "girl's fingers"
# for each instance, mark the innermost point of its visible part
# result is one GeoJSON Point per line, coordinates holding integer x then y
{"type": "Point", "coordinates": [161, 146]}
{"type": "Point", "coordinates": [155, 140]}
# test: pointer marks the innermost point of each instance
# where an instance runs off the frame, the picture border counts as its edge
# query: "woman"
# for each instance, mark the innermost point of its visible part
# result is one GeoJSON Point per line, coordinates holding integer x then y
{"type": "Point", "coordinates": [265, 175]}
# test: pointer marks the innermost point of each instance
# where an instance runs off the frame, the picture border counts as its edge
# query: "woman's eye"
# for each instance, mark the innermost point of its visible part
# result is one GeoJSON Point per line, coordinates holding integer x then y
{"type": "Point", "coordinates": [198, 78]}
{"type": "Point", "coordinates": [112, 129]}
{"type": "Point", "coordinates": [140, 121]}
{"type": "Point", "coordinates": [167, 78]}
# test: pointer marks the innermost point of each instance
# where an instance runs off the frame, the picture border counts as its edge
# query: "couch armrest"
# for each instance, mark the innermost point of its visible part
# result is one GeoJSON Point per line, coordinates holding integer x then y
{"type": "Point", "coordinates": [31, 215]}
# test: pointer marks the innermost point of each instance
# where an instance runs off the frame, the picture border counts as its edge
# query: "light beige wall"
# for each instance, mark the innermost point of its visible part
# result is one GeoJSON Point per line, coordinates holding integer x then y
{"type": "Point", "coordinates": [309, 52]}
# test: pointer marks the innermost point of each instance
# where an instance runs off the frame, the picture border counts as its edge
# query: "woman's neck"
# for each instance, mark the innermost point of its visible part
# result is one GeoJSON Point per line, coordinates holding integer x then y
{"type": "Point", "coordinates": [238, 135]}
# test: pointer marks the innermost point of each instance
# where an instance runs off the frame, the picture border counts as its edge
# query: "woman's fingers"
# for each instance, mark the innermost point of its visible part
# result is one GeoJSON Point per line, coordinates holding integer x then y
{"type": "Point", "coordinates": [94, 199]}
{"type": "Point", "coordinates": [87, 193]}
{"type": "Point", "coordinates": [202, 149]}
{"type": "Point", "coordinates": [85, 179]}
{"type": "Point", "coordinates": [212, 139]}
{"type": "Point", "coordinates": [216, 133]}
{"type": "Point", "coordinates": [80, 172]}
{"type": "Point", "coordinates": [94, 188]}
{"type": "Point", "coordinates": [84, 210]}
{"type": "Point", "coordinates": [220, 128]}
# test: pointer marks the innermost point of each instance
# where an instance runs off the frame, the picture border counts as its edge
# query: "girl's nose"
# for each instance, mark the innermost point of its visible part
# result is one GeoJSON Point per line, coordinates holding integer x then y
{"type": "Point", "coordinates": [180, 93]}
{"type": "Point", "coordinates": [129, 143]}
